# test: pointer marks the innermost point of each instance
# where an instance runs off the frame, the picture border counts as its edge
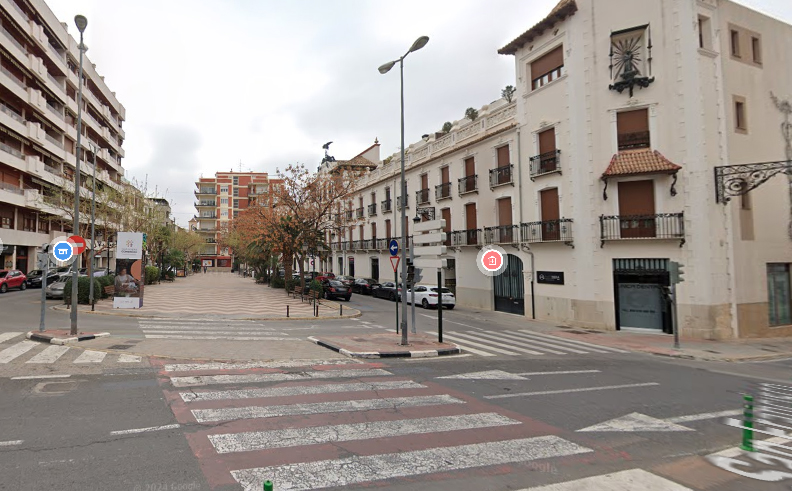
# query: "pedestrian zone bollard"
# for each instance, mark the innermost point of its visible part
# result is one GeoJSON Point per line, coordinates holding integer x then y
{"type": "Point", "coordinates": [747, 439]}
{"type": "Point", "coordinates": [287, 311]}
{"type": "Point", "coordinates": [340, 310]}
{"type": "Point", "coordinates": [268, 486]}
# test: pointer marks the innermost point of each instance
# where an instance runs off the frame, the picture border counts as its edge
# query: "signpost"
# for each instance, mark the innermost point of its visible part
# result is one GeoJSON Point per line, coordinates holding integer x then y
{"type": "Point", "coordinates": [430, 250]}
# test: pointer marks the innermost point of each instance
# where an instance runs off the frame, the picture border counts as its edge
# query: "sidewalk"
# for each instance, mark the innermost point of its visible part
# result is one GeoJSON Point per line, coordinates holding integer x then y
{"type": "Point", "coordinates": [225, 295]}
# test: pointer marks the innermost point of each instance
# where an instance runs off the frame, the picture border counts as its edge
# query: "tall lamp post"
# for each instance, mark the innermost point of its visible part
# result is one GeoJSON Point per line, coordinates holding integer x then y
{"type": "Point", "coordinates": [81, 23]}
{"type": "Point", "coordinates": [418, 44]}
{"type": "Point", "coordinates": [92, 255]}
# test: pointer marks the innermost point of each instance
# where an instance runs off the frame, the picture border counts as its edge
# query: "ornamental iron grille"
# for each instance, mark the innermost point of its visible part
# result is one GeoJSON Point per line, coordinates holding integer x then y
{"type": "Point", "coordinates": [631, 59]}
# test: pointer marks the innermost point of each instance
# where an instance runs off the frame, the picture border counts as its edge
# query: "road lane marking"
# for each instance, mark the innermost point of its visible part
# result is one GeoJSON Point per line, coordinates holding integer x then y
{"type": "Point", "coordinates": [552, 343]}
{"type": "Point", "coordinates": [485, 375]}
{"type": "Point", "coordinates": [189, 367]}
{"type": "Point", "coordinates": [202, 332]}
{"type": "Point", "coordinates": [209, 338]}
{"type": "Point", "coordinates": [49, 355]}
{"type": "Point", "coordinates": [274, 377]}
{"type": "Point", "coordinates": [514, 344]}
{"type": "Point", "coordinates": [564, 391]}
{"type": "Point", "coordinates": [316, 435]}
{"type": "Point", "coordinates": [563, 372]}
{"type": "Point", "coordinates": [5, 336]}
{"type": "Point", "coordinates": [297, 390]}
{"type": "Point", "coordinates": [33, 377]}
{"type": "Point", "coordinates": [573, 341]}
{"type": "Point", "coordinates": [16, 350]}
{"type": "Point", "coordinates": [636, 422]}
{"type": "Point", "coordinates": [466, 338]}
{"type": "Point", "coordinates": [144, 430]}
{"type": "Point", "coordinates": [11, 443]}
{"type": "Point", "coordinates": [465, 346]}
{"type": "Point", "coordinates": [702, 416]}
{"type": "Point", "coordinates": [129, 358]}
{"type": "Point", "coordinates": [547, 347]}
{"type": "Point", "coordinates": [251, 412]}
{"type": "Point", "coordinates": [89, 356]}
{"type": "Point", "coordinates": [358, 469]}
{"type": "Point", "coordinates": [629, 480]}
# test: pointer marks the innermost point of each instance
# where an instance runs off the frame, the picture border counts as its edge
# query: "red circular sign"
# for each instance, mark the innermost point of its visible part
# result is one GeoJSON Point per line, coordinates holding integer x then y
{"type": "Point", "coordinates": [492, 260]}
{"type": "Point", "coordinates": [79, 244]}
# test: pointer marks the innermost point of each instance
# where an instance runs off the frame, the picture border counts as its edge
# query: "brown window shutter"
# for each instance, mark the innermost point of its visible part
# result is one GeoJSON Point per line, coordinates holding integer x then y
{"type": "Point", "coordinates": [636, 198]}
{"type": "Point", "coordinates": [503, 156]}
{"type": "Point", "coordinates": [547, 141]}
{"type": "Point", "coordinates": [549, 202]}
{"type": "Point", "coordinates": [373, 230]}
{"type": "Point", "coordinates": [547, 63]}
{"type": "Point", "coordinates": [445, 213]}
{"type": "Point", "coordinates": [632, 121]}
{"type": "Point", "coordinates": [504, 211]}
{"type": "Point", "coordinates": [470, 167]}
{"type": "Point", "coordinates": [424, 181]}
{"type": "Point", "coordinates": [444, 175]}
{"type": "Point", "coordinates": [361, 232]}
{"type": "Point", "coordinates": [470, 216]}
{"type": "Point", "coordinates": [387, 229]}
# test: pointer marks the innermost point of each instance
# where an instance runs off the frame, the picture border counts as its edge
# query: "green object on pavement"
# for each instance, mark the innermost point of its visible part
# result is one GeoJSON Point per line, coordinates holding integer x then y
{"type": "Point", "coordinates": [268, 486]}
{"type": "Point", "coordinates": [747, 439]}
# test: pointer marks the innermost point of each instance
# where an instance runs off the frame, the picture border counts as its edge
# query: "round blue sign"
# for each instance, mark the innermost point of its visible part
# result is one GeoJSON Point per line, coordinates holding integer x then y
{"type": "Point", "coordinates": [62, 251]}
{"type": "Point", "coordinates": [393, 247]}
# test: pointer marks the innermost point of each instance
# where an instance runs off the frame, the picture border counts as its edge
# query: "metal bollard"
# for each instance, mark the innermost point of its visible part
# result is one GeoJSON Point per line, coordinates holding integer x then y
{"type": "Point", "coordinates": [287, 311]}
{"type": "Point", "coordinates": [747, 437]}
{"type": "Point", "coordinates": [340, 310]}
{"type": "Point", "coordinates": [268, 486]}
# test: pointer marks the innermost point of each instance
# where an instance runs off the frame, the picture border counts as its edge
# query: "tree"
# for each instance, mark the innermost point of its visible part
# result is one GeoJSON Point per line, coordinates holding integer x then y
{"type": "Point", "coordinates": [508, 92]}
{"type": "Point", "coordinates": [188, 243]}
{"type": "Point", "coordinates": [447, 126]}
{"type": "Point", "coordinates": [471, 114]}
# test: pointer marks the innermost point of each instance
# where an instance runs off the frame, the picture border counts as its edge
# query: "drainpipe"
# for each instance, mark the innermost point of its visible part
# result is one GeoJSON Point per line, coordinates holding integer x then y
{"type": "Point", "coordinates": [520, 201]}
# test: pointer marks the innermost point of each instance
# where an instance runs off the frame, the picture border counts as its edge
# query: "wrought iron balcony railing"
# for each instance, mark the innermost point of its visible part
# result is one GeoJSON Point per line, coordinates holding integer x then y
{"type": "Point", "coordinates": [468, 184]}
{"type": "Point", "coordinates": [639, 139]}
{"type": "Point", "coordinates": [399, 202]}
{"type": "Point", "coordinates": [443, 191]}
{"type": "Point", "coordinates": [372, 209]}
{"type": "Point", "coordinates": [348, 214]}
{"type": "Point", "coordinates": [206, 203]}
{"type": "Point", "coordinates": [545, 163]}
{"type": "Point", "coordinates": [469, 237]}
{"type": "Point", "coordinates": [359, 212]}
{"type": "Point", "coordinates": [501, 176]}
{"type": "Point", "coordinates": [381, 244]}
{"type": "Point", "coordinates": [547, 231]}
{"type": "Point", "coordinates": [501, 234]}
{"type": "Point", "coordinates": [386, 205]}
{"type": "Point", "coordinates": [422, 196]}
{"type": "Point", "coordinates": [630, 227]}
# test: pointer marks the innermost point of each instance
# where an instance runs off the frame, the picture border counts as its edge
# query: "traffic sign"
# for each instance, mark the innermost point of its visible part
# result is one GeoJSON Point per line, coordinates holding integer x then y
{"type": "Point", "coordinates": [393, 247]}
{"type": "Point", "coordinates": [395, 263]}
{"type": "Point", "coordinates": [63, 251]}
{"type": "Point", "coordinates": [79, 244]}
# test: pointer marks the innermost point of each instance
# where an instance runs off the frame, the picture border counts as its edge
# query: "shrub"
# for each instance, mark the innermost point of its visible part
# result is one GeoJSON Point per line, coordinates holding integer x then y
{"type": "Point", "coordinates": [277, 282]}
{"type": "Point", "coordinates": [291, 283]}
{"type": "Point", "coordinates": [83, 290]}
{"type": "Point", "coordinates": [316, 286]}
{"type": "Point", "coordinates": [151, 275]}
{"type": "Point", "coordinates": [103, 282]}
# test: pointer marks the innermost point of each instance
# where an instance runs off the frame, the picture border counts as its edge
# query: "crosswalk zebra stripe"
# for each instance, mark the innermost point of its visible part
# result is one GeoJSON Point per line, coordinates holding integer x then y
{"type": "Point", "coordinates": [124, 358]}
{"type": "Point", "coordinates": [89, 356]}
{"type": "Point", "coordinates": [197, 380]}
{"type": "Point", "coordinates": [16, 350]}
{"type": "Point", "coordinates": [628, 480]}
{"type": "Point", "coordinates": [249, 327]}
{"type": "Point", "coordinates": [298, 390]}
{"type": "Point", "coordinates": [465, 346]}
{"type": "Point", "coordinates": [49, 355]}
{"type": "Point", "coordinates": [466, 338]}
{"type": "Point", "coordinates": [252, 412]}
{"type": "Point", "coordinates": [553, 344]}
{"type": "Point", "coordinates": [512, 344]}
{"type": "Point", "coordinates": [209, 333]}
{"type": "Point", "coordinates": [189, 367]}
{"type": "Point", "coordinates": [316, 435]}
{"type": "Point", "coordinates": [228, 337]}
{"type": "Point", "coordinates": [5, 336]}
{"type": "Point", "coordinates": [574, 341]}
{"type": "Point", "coordinates": [357, 469]}
{"type": "Point", "coordinates": [510, 336]}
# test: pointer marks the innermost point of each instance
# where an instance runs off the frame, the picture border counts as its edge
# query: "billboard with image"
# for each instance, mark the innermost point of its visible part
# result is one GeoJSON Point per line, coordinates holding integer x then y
{"type": "Point", "coordinates": [129, 271]}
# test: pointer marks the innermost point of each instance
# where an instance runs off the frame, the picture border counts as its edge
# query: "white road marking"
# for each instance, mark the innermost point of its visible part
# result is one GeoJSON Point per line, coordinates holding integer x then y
{"type": "Point", "coordinates": [357, 469]}
{"type": "Point", "coordinates": [124, 358]}
{"type": "Point", "coordinates": [11, 443]}
{"type": "Point", "coordinates": [486, 375]}
{"type": "Point", "coordinates": [297, 390]}
{"type": "Point", "coordinates": [702, 416]}
{"type": "Point", "coordinates": [16, 350]}
{"type": "Point", "coordinates": [511, 344]}
{"type": "Point", "coordinates": [180, 327]}
{"type": "Point", "coordinates": [188, 367]}
{"type": "Point", "coordinates": [636, 422]}
{"type": "Point", "coordinates": [465, 338]}
{"type": "Point", "coordinates": [274, 377]}
{"type": "Point", "coordinates": [585, 389]}
{"type": "Point", "coordinates": [202, 332]}
{"type": "Point", "coordinates": [562, 372]}
{"type": "Point", "coordinates": [229, 338]}
{"type": "Point", "coordinates": [629, 480]}
{"type": "Point", "coordinates": [89, 356]}
{"type": "Point", "coordinates": [33, 377]}
{"type": "Point", "coordinates": [573, 341]}
{"type": "Point", "coordinates": [439, 358]}
{"type": "Point", "coordinates": [315, 435]}
{"type": "Point", "coordinates": [144, 430]}
{"type": "Point", "coordinates": [5, 336]}
{"type": "Point", "coordinates": [511, 336]}
{"type": "Point", "coordinates": [465, 346]}
{"type": "Point", "coordinates": [49, 355]}
{"type": "Point", "coordinates": [250, 412]}
{"type": "Point", "coordinates": [552, 343]}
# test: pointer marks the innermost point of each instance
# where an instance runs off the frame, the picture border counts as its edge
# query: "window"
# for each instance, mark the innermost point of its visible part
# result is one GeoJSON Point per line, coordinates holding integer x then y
{"type": "Point", "coordinates": [756, 49]}
{"type": "Point", "coordinates": [223, 189]}
{"type": "Point", "coordinates": [236, 191]}
{"type": "Point", "coordinates": [547, 68]}
{"type": "Point", "coordinates": [29, 223]}
{"type": "Point", "coordinates": [236, 180]}
{"type": "Point", "coordinates": [236, 203]}
{"type": "Point", "coordinates": [735, 43]}
{"type": "Point", "coordinates": [387, 229]}
{"type": "Point", "coordinates": [632, 129]}
{"type": "Point", "coordinates": [236, 213]}
{"type": "Point", "coordinates": [6, 218]}
{"type": "Point", "coordinates": [224, 213]}
{"type": "Point", "coordinates": [223, 201]}
{"type": "Point", "coordinates": [705, 34]}
{"type": "Point", "coordinates": [740, 119]}
{"type": "Point", "coordinates": [778, 292]}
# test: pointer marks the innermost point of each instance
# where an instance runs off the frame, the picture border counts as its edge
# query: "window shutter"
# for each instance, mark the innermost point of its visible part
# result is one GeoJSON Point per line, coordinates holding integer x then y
{"type": "Point", "coordinates": [547, 63]}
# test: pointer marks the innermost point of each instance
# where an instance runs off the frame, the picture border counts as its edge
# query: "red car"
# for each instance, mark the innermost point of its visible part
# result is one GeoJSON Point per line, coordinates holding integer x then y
{"type": "Point", "coordinates": [12, 278]}
{"type": "Point", "coordinates": [325, 276]}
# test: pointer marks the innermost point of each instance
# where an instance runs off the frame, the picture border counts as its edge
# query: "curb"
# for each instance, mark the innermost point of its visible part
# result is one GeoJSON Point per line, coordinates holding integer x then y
{"type": "Point", "coordinates": [387, 354]}
{"type": "Point", "coordinates": [43, 338]}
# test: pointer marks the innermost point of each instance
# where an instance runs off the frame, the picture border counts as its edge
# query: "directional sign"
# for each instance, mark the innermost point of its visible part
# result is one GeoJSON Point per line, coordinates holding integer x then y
{"type": "Point", "coordinates": [430, 238]}
{"type": "Point", "coordinates": [393, 247]}
{"type": "Point", "coordinates": [79, 244]}
{"type": "Point", "coordinates": [433, 250]}
{"type": "Point", "coordinates": [395, 263]}
{"type": "Point", "coordinates": [431, 262]}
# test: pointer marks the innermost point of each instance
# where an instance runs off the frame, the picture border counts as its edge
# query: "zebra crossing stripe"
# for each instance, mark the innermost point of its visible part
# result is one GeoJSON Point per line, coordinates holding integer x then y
{"type": "Point", "coordinates": [10, 443]}
{"type": "Point", "coordinates": [274, 377]}
{"type": "Point", "coordinates": [49, 355]}
{"type": "Point", "coordinates": [557, 344]}
{"type": "Point", "coordinates": [16, 350]}
{"type": "Point", "coordinates": [574, 341]}
{"type": "Point", "coordinates": [252, 412]}
{"type": "Point", "coordinates": [358, 469]}
{"type": "Point", "coordinates": [230, 338]}
{"type": "Point", "coordinates": [128, 358]}
{"type": "Point", "coordinates": [202, 332]}
{"type": "Point", "coordinates": [522, 346]}
{"type": "Point", "coordinates": [189, 367]}
{"type": "Point", "coordinates": [464, 347]}
{"type": "Point", "coordinates": [515, 337]}
{"type": "Point", "coordinates": [179, 327]}
{"type": "Point", "coordinates": [466, 339]}
{"type": "Point", "coordinates": [316, 435]}
{"type": "Point", "coordinates": [617, 481]}
{"type": "Point", "coordinates": [5, 336]}
{"type": "Point", "coordinates": [297, 390]}
{"type": "Point", "coordinates": [89, 356]}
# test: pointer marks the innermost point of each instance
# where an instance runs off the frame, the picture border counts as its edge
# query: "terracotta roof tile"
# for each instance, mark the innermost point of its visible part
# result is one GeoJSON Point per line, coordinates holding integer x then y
{"type": "Point", "coordinates": [643, 161]}
{"type": "Point", "coordinates": [564, 9]}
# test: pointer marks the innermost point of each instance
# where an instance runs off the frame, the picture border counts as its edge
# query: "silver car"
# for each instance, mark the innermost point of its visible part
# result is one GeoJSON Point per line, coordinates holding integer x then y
{"type": "Point", "coordinates": [55, 290]}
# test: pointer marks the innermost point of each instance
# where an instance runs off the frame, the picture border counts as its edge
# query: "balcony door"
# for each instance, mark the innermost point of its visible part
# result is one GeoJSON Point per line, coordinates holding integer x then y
{"type": "Point", "coordinates": [470, 171]}
{"type": "Point", "coordinates": [505, 234]}
{"type": "Point", "coordinates": [550, 214]}
{"type": "Point", "coordinates": [504, 171]}
{"type": "Point", "coordinates": [636, 209]}
{"type": "Point", "coordinates": [470, 224]}
{"type": "Point", "coordinates": [547, 151]}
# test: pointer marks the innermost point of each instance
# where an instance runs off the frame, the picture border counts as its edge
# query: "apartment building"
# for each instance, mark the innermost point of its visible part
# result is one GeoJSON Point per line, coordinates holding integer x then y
{"type": "Point", "coordinates": [220, 199]}
{"type": "Point", "coordinates": [618, 155]}
{"type": "Point", "coordinates": [39, 81]}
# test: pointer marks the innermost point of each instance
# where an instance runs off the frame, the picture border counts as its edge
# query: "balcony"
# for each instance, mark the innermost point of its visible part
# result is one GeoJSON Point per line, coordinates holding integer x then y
{"type": "Point", "coordinates": [385, 205]}
{"type": "Point", "coordinates": [372, 209]}
{"type": "Point", "coordinates": [211, 241]}
{"type": "Point", "coordinates": [12, 151]}
{"type": "Point", "coordinates": [643, 227]}
{"type": "Point", "coordinates": [359, 212]}
{"type": "Point", "coordinates": [11, 188]}
{"type": "Point", "coordinates": [12, 113]}
{"type": "Point", "coordinates": [205, 191]}
{"type": "Point", "coordinates": [547, 231]}
{"type": "Point", "coordinates": [205, 204]}
{"type": "Point", "coordinates": [422, 196]}
{"type": "Point", "coordinates": [640, 139]}
{"type": "Point", "coordinates": [206, 230]}
{"type": "Point", "coordinates": [443, 191]}
{"type": "Point", "coordinates": [348, 215]}
{"type": "Point", "coordinates": [502, 234]}
{"type": "Point", "coordinates": [399, 202]}
{"type": "Point", "coordinates": [381, 244]}
{"type": "Point", "coordinates": [470, 237]}
{"type": "Point", "coordinates": [367, 245]}
{"type": "Point", "coordinates": [545, 163]}
{"type": "Point", "coordinates": [14, 78]}
{"type": "Point", "coordinates": [501, 175]}
{"type": "Point", "coordinates": [53, 140]}
{"type": "Point", "coordinates": [468, 184]}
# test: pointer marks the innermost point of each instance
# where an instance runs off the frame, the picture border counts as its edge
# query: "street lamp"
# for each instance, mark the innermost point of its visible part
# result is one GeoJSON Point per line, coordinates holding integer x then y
{"type": "Point", "coordinates": [418, 44]}
{"type": "Point", "coordinates": [81, 23]}
{"type": "Point", "coordinates": [93, 218]}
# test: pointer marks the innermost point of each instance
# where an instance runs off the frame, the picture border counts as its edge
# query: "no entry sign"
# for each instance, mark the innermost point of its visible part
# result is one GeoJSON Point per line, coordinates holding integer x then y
{"type": "Point", "coordinates": [79, 244]}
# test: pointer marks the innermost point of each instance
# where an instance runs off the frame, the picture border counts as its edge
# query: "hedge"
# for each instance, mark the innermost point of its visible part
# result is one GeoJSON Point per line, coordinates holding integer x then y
{"type": "Point", "coordinates": [291, 283]}
{"type": "Point", "coordinates": [277, 282]}
{"type": "Point", "coordinates": [83, 290]}
{"type": "Point", "coordinates": [105, 281]}
{"type": "Point", "coordinates": [152, 274]}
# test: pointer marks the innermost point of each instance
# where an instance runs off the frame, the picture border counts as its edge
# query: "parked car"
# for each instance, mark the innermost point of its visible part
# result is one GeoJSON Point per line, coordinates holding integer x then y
{"type": "Point", "coordinates": [12, 278]}
{"type": "Point", "coordinates": [426, 296]}
{"type": "Point", "coordinates": [347, 280]}
{"type": "Point", "coordinates": [387, 290]}
{"type": "Point", "coordinates": [55, 290]}
{"type": "Point", "coordinates": [336, 289]}
{"type": "Point", "coordinates": [364, 286]}
{"type": "Point", "coordinates": [325, 276]}
{"type": "Point", "coordinates": [34, 278]}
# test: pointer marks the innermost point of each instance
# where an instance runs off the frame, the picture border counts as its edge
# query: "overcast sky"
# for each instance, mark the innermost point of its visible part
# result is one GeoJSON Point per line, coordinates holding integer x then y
{"type": "Point", "coordinates": [208, 84]}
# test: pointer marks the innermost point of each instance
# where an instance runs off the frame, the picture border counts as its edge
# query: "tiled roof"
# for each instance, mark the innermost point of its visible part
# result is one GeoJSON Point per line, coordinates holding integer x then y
{"type": "Point", "coordinates": [358, 161]}
{"type": "Point", "coordinates": [564, 9]}
{"type": "Point", "coordinates": [643, 161]}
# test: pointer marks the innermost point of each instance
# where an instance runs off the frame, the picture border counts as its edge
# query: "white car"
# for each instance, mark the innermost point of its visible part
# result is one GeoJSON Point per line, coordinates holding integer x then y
{"type": "Point", "coordinates": [426, 296]}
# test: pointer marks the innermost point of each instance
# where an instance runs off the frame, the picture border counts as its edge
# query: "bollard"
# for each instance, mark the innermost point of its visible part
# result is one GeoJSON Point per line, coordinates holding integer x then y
{"type": "Point", "coordinates": [340, 310]}
{"type": "Point", "coordinates": [287, 311]}
{"type": "Point", "coordinates": [268, 486]}
{"type": "Point", "coordinates": [747, 438]}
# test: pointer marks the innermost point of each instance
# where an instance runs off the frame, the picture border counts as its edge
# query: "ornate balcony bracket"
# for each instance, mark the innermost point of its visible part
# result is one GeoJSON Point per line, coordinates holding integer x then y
{"type": "Point", "coordinates": [570, 244]}
{"type": "Point", "coordinates": [737, 180]}
{"type": "Point", "coordinates": [673, 185]}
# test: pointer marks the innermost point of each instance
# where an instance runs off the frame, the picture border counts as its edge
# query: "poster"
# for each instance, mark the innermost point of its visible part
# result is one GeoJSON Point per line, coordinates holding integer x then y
{"type": "Point", "coordinates": [129, 271]}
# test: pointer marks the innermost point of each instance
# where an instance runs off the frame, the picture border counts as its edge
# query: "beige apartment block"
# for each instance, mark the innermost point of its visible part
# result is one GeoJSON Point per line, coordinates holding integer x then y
{"type": "Point", "coordinates": [615, 158]}
{"type": "Point", "coordinates": [39, 63]}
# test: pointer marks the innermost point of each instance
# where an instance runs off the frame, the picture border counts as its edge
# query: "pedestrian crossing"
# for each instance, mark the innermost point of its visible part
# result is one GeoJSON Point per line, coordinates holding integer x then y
{"type": "Point", "coordinates": [32, 353]}
{"type": "Point", "coordinates": [210, 330]}
{"type": "Point", "coordinates": [521, 342]}
{"type": "Point", "coordinates": [329, 425]}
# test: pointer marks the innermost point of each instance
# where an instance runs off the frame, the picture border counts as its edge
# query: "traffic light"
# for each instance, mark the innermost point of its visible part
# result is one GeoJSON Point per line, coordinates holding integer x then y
{"type": "Point", "coordinates": [680, 272]}
{"type": "Point", "coordinates": [676, 272]}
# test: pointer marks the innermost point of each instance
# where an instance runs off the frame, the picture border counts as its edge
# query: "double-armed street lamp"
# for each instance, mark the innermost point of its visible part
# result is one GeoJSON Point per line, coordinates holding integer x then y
{"type": "Point", "coordinates": [418, 44]}
{"type": "Point", "coordinates": [81, 23]}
